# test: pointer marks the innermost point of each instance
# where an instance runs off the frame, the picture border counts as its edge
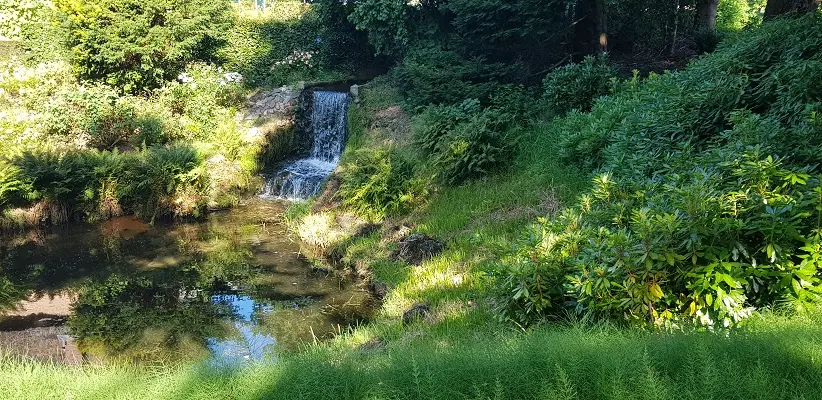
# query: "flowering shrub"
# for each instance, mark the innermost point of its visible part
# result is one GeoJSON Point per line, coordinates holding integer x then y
{"type": "Point", "coordinates": [298, 58]}
{"type": "Point", "coordinates": [199, 95]}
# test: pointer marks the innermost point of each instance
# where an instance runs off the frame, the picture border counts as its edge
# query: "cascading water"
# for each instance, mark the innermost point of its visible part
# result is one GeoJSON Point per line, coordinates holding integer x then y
{"type": "Point", "coordinates": [302, 179]}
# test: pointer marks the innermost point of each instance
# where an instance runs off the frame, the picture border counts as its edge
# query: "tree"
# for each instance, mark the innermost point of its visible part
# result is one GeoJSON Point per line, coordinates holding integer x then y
{"type": "Point", "coordinates": [137, 45]}
{"type": "Point", "coordinates": [780, 7]}
{"type": "Point", "coordinates": [589, 32]}
{"type": "Point", "coordinates": [705, 21]}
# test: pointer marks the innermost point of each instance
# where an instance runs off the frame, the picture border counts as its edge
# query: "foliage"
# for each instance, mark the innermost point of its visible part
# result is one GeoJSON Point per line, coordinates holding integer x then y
{"type": "Point", "coordinates": [98, 118]}
{"type": "Point", "coordinates": [12, 187]}
{"type": "Point", "coordinates": [290, 42]}
{"type": "Point", "coordinates": [433, 75]}
{"type": "Point", "coordinates": [201, 97]}
{"type": "Point", "coordinates": [341, 44]}
{"type": "Point", "coordinates": [465, 141]}
{"type": "Point", "coordinates": [435, 122]}
{"type": "Point", "coordinates": [137, 45]}
{"type": "Point", "coordinates": [15, 15]}
{"type": "Point", "coordinates": [378, 183]}
{"type": "Point", "coordinates": [531, 32]}
{"type": "Point", "coordinates": [166, 181]}
{"type": "Point", "coordinates": [577, 86]}
{"type": "Point", "coordinates": [707, 205]}
{"type": "Point", "coordinates": [51, 128]}
{"type": "Point", "coordinates": [478, 147]}
{"type": "Point", "coordinates": [389, 24]}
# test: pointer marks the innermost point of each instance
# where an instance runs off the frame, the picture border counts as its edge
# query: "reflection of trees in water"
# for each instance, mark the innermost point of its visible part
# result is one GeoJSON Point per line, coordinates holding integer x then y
{"type": "Point", "coordinates": [162, 308]}
{"type": "Point", "coordinates": [122, 303]}
{"type": "Point", "coordinates": [153, 294]}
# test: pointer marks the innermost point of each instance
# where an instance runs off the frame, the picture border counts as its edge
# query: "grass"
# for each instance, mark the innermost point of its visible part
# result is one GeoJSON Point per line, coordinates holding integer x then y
{"type": "Point", "coordinates": [774, 358]}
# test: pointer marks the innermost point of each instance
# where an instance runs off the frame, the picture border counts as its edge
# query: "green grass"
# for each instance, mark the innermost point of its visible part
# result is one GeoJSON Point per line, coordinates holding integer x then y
{"type": "Point", "coordinates": [774, 358]}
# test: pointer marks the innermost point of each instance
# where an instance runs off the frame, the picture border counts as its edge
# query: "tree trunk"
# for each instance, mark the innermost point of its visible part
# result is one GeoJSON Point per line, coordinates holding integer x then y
{"type": "Point", "coordinates": [589, 35]}
{"type": "Point", "coordinates": [780, 7]}
{"type": "Point", "coordinates": [706, 16]}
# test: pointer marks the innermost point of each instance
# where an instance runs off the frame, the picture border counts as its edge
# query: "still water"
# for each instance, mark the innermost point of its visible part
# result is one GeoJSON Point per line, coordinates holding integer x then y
{"type": "Point", "coordinates": [228, 290]}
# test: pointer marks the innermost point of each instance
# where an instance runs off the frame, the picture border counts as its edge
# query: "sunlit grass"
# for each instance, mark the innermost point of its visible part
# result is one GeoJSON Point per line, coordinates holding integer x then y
{"type": "Point", "coordinates": [774, 358]}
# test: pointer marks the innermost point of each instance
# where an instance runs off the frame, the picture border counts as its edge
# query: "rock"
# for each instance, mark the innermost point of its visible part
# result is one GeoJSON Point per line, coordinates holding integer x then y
{"type": "Point", "coordinates": [417, 312]}
{"type": "Point", "coordinates": [373, 344]}
{"type": "Point", "coordinates": [366, 230]}
{"type": "Point", "coordinates": [217, 159]}
{"type": "Point", "coordinates": [378, 288]}
{"type": "Point", "coordinates": [320, 270]}
{"type": "Point", "coordinates": [416, 248]}
{"type": "Point", "coordinates": [278, 103]}
{"type": "Point", "coordinates": [355, 93]}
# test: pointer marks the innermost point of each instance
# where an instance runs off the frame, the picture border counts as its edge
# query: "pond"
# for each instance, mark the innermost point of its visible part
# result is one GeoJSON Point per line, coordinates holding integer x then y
{"type": "Point", "coordinates": [229, 289]}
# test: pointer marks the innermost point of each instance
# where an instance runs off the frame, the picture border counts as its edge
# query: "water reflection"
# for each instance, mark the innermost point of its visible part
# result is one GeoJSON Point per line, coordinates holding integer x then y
{"type": "Point", "coordinates": [246, 344]}
{"type": "Point", "coordinates": [232, 288]}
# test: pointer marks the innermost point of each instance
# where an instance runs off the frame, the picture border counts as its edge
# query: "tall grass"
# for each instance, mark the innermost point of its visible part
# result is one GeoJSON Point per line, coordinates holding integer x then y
{"type": "Point", "coordinates": [774, 358]}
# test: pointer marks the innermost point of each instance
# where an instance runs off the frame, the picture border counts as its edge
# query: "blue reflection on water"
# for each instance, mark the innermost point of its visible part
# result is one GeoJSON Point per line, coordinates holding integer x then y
{"type": "Point", "coordinates": [246, 345]}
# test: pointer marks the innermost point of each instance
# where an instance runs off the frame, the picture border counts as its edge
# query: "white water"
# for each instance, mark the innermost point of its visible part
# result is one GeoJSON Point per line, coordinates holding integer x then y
{"type": "Point", "coordinates": [303, 178]}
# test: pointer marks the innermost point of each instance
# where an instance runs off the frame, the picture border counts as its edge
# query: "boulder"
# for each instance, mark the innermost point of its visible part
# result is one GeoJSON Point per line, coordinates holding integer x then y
{"type": "Point", "coordinates": [416, 248]}
{"type": "Point", "coordinates": [418, 311]}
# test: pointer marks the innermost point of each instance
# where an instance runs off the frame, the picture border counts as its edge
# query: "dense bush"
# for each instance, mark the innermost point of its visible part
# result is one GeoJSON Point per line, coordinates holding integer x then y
{"type": "Point", "coordinates": [378, 183]}
{"type": "Point", "coordinates": [341, 44]}
{"type": "Point", "coordinates": [96, 117]}
{"type": "Point", "coordinates": [290, 42]}
{"type": "Point", "coordinates": [52, 130]}
{"type": "Point", "coordinates": [136, 45]}
{"type": "Point", "coordinates": [577, 86]}
{"type": "Point", "coordinates": [435, 122]}
{"type": "Point", "coordinates": [92, 185]}
{"type": "Point", "coordinates": [708, 201]}
{"type": "Point", "coordinates": [465, 140]}
{"type": "Point", "coordinates": [482, 145]}
{"type": "Point", "coordinates": [392, 25]}
{"type": "Point", "coordinates": [531, 32]}
{"type": "Point", "coordinates": [432, 75]}
{"type": "Point", "coordinates": [268, 46]}
{"type": "Point", "coordinates": [201, 98]}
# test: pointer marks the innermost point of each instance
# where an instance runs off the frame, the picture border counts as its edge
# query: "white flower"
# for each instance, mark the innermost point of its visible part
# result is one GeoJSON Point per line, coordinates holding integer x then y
{"type": "Point", "coordinates": [185, 78]}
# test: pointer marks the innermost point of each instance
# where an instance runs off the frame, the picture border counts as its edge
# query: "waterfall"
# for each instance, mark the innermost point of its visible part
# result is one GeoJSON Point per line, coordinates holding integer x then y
{"type": "Point", "coordinates": [302, 179]}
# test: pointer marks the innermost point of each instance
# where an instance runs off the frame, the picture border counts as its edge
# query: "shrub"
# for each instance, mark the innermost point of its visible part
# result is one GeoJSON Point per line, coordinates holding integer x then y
{"type": "Point", "coordinates": [15, 15]}
{"type": "Point", "coordinates": [532, 32]}
{"type": "Point", "coordinates": [201, 96]}
{"type": "Point", "coordinates": [97, 117]}
{"type": "Point", "coordinates": [432, 75]}
{"type": "Point", "coordinates": [435, 122]}
{"type": "Point", "coordinates": [484, 144]}
{"type": "Point", "coordinates": [707, 205]}
{"type": "Point", "coordinates": [136, 45]}
{"type": "Point", "coordinates": [165, 181]}
{"type": "Point", "coordinates": [286, 43]}
{"type": "Point", "coordinates": [12, 188]}
{"type": "Point", "coordinates": [340, 44]}
{"type": "Point", "coordinates": [577, 86]}
{"type": "Point", "coordinates": [639, 126]}
{"type": "Point", "coordinates": [378, 183]}
{"type": "Point", "coordinates": [389, 24]}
